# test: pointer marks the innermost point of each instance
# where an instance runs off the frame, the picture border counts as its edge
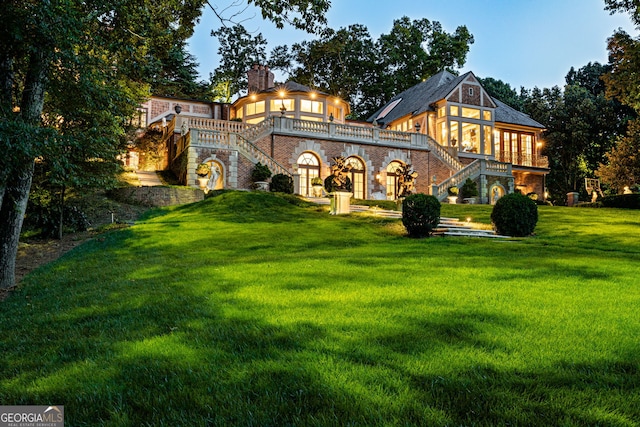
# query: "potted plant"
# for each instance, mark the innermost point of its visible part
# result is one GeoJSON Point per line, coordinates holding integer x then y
{"type": "Point", "coordinates": [316, 185]}
{"type": "Point", "coordinates": [203, 170]}
{"type": "Point", "coordinates": [469, 191]}
{"type": "Point", "coordinates": [259, 175]}
{"type": "Point", "coordinates": [453, 195]}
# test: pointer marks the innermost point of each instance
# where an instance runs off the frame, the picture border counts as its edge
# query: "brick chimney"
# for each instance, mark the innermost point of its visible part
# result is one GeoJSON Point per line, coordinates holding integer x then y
{"type": "Point", "coordinates": [259, 78]}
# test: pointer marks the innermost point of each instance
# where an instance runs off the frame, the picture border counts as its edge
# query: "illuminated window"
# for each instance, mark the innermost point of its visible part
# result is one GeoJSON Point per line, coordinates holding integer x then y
{"type": "Point", "coordinates": [357, 177]}
{"type": "Point", "coordinates": [255, 108]}
{"type": "Point", "coordinates": [486, 115]}
{"type": "Point", "coordinates": [392, 179]}
{"type": "Point", "coordinates": [309, 106]}
{"type": "Point", "coordinates": [139, 120]}
{"type": "Point", "coordinates": [239, 112]}
{"type": "Point", "coordinates": [441, 112]}
{"type": "Point", "coordinates": [454, 110]}
{"type": "Point", "coordinates": [453, 134]}
{"type": "Point", "coordinates": [471, 113]}
{"type": "Point", "coordinates": [311, 119]}
{"type": "Point", "coordinates": [526, 142]}
{"type": "Point", "coordinates": [276, 105]}
{"type": "Point", "coordinates": [488, 132]}
{"type": "Point", "coordinates": [308, 168]}
{"type": "Point", "coordinates": [442, 135]}
{"type": "Point", "coordinates": [336, 111]}
{"type": "Point", "coordinates": [470, 138]}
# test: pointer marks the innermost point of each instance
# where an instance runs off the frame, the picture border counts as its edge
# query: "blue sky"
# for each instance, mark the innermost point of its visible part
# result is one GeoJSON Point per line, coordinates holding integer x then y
{"type": "Point", "coordinates": [521, 42]}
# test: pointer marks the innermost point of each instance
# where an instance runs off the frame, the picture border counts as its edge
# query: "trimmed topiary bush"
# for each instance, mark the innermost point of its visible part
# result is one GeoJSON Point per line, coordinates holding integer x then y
{"type": "Point", "coordinates": [515, 215]}
{"type": "Point", "coordinates": [281, 183]}
{"type": "Point", "coordinates": [260, 173]}
{"type": "Point", "coordinates": [469, 189]}
{"type": "Point", "coordinates": [420, 214]}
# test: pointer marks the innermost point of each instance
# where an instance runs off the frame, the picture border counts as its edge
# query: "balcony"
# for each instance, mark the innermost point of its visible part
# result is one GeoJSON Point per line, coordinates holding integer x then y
{"type": "Point", "coordinates": [519, 159]}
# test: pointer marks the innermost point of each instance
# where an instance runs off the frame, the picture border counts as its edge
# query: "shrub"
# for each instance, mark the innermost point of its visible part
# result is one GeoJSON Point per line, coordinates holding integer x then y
{"type": "Point", "coordinates": [260, 172]}
{"type": "Point", "coordinates": [452, 191]}
{"type": "Point", "coordinates": [330, 186]}
{"type": "Point", "coordinates": [469, 189]}
{"type": "Point", "coordinates": [281, 183]}
{"type": "Point", "coordinates": [515, 215]}
{"type": "Point", "coordinates": [628, 201]}
{"type": "Point", "coordinates": [316, 180]}
{"type": "Point", "coordinates": [420, 214]}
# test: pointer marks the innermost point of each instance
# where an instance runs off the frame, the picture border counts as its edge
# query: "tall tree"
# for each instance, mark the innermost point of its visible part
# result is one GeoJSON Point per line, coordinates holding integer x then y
{"type": "Point", "coordinates": [44, 43]}
{"type": "Point", "coordinates": [622, 81]}
{"type": "Point", "coordinates": [582, 126]}
{"type": "Point", "coordinates": [349, 63]}
{"type": "Point", "coordinates": [238, 51]}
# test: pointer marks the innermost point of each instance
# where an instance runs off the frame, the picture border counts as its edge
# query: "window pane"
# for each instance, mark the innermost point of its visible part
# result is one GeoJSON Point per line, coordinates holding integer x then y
{"type": "Point", "coordinates": [488, 131]}
{"type": "Point", "coordinates": [470, 137]}
{"type": "Point", "coordinates": [486, 115]}
{"type": "Point", "coordinates": [454, 133]}
{"type": "Point", "coordinates": [471, 113]}
{"type": "Point", "coordinates": [454, 110]}
{"type": "Point", "coordinates": [276, 104]}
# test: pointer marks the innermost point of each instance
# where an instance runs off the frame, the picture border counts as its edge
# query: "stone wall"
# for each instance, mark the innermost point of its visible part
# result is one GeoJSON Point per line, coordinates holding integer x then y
{"type": "Point", "coordinates": [157, 196]}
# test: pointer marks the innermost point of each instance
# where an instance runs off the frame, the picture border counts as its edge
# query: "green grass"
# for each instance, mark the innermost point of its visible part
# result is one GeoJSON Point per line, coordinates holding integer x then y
{"type": "Point", "coordinates": [245, 309]}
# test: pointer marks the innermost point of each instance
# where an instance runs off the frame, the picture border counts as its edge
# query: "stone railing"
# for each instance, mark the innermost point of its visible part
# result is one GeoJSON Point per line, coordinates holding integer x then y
{"type": "Point", "coordinates": [235, 141]}
{"type": "Point", "coordinates": [520, 159]}
{"type": "Point", "coordinates": [472, 170]}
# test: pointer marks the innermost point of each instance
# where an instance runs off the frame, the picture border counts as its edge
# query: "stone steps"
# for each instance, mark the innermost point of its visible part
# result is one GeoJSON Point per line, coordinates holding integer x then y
{"type": "Point", "coordinates": [447, 227]}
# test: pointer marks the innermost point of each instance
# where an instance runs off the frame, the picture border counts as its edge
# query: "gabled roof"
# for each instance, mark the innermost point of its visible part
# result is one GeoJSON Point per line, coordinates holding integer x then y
{"type": "Point", "coordinates": [506, 114]}
{"type": "Point", "coordinates": [421, 97]}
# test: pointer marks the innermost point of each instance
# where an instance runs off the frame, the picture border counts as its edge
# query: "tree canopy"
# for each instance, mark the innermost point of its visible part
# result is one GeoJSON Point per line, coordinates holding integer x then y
{"type": "Point", "coordinates": [73, 71]}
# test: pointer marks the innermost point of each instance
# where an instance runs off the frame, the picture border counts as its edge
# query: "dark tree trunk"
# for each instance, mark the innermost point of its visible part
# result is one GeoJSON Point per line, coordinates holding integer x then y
{"type": "Point", "coordinates": [11, 216]}
{"type": "Point", "coordinates": [16, 184]}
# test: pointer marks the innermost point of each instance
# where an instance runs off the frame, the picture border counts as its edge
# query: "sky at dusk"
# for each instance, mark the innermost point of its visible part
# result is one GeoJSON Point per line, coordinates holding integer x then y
{"type": "Point", "coordinates": [521, 42]}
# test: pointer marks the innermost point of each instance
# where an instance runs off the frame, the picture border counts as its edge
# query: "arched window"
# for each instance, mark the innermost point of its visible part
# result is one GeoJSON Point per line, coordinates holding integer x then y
{"type": "Point", "coordinates": [357, 176]}
{"type": "Point", "coordinates": [392, 179]}
{"type": "Point", "coordinates": [308, 168]}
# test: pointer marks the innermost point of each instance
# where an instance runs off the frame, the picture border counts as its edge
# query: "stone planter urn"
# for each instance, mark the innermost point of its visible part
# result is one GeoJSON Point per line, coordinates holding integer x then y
{"type": "Point", "coordinates": [316, 190]}
{"type": "Point", "coordinates": [262, 185]}
{"type": "Point", "coordinates": [340, 202]}
{"type": "Point", "coordinates": [202, 182]}
{"type": "Point", "coordinates": [452, 199]}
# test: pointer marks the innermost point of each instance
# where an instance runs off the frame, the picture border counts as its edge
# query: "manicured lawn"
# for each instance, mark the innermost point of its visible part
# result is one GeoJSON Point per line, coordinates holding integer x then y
{"type": "Point", "coordinates": [247, 310]}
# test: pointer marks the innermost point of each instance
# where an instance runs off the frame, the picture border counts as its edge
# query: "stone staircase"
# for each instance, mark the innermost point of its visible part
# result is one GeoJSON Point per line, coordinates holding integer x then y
{"type": "Point", "coordinates": [448, 226]}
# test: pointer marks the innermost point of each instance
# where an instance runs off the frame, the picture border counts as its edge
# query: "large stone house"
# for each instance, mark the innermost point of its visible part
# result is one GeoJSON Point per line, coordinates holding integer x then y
{"type": "Point", "coordinates": [447, 128]}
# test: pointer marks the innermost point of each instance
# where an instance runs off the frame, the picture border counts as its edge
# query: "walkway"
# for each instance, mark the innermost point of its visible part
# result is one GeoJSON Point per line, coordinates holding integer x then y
{"type": "Point", "coordinates": [447, 226]}
{"type": "Point", "coordinates": [148, 178]}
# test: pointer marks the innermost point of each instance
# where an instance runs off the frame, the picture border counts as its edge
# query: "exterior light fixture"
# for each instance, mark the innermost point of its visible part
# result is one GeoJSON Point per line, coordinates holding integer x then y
{"type": "Point", "coordinates": [177, 108]}
{"type": "Point", "coordinates": [331, 117]}
{"type": "Point", "coordinates": [417, 126]}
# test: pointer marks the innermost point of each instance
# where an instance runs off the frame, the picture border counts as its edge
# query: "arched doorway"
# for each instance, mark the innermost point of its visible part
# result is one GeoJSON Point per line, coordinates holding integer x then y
{"type": "Point", "coordinates": [357, 176]}
{"type": "Point", "coordinates": [308, 168]}
{"type": "Point", "coordinates": [392, 179]}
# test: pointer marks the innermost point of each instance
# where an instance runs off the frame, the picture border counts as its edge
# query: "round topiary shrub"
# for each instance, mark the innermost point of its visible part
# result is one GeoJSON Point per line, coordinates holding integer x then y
{"type": "Point", "coordinates": [515, 215]}
{"type": "Point", "coordinates": [281, 183]}
{"type": "Point", "coordinates": [420, 214]}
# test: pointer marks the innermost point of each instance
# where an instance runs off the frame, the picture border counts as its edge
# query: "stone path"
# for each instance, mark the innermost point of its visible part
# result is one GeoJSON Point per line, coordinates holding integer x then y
{"type": "Point", "coordinates": [148, 179]}
{"type": "Point", "coordinates": [447, 226]}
